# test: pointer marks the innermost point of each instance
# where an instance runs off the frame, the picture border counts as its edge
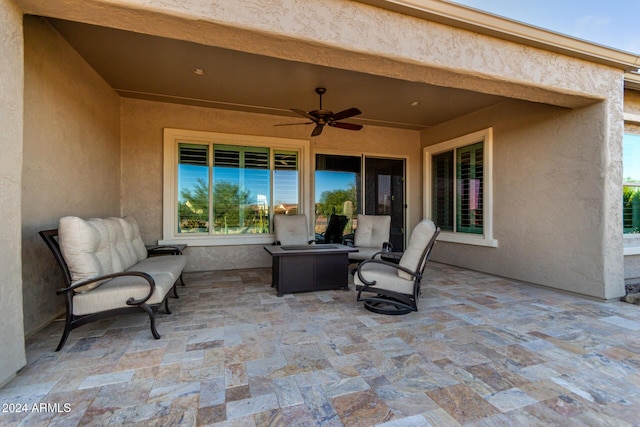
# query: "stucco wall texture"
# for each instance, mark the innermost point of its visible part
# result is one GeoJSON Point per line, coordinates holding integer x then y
{"type": "Point", "coordinates": [12, 353]}
{"type": "Point", "coordinates": [548, 195]}
{"type": "Point", "coordinates": [71, 157]}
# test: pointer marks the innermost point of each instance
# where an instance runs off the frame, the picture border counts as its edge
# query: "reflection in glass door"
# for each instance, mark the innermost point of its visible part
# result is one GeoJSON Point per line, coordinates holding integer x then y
{"type": "Point", "coordinates": [337, 191]}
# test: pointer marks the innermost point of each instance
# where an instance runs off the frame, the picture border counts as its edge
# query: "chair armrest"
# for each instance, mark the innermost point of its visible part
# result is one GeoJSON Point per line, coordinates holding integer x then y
{"type": "Point", "coordinates": [416, 275]}
{"type": "Point", "coordinates": [102, 279]}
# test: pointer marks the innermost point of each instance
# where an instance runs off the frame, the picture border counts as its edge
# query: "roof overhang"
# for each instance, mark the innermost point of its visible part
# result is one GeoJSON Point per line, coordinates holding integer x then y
{"type": "Point", "coordinates": [481, 22]}
{"type": "Point", "coordinates": [632, 81]}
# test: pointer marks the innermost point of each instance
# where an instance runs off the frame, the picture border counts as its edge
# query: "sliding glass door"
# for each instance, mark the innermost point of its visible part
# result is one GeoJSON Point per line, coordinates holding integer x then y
{"type": "Point", "coordinates": [338, 187]}
{"type": "Point", "coordinates": [384, 194]}
{"type": "Point", "coordinates": [339, 184]}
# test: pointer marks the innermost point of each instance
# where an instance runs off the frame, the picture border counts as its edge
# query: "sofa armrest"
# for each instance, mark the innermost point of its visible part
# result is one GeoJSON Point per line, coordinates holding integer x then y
{"type": "Point", "coordinates": [100, 280]}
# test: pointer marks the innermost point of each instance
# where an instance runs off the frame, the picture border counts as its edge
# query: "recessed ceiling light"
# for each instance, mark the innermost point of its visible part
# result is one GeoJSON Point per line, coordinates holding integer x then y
{"type": "Point", "coordinates": [414, 103]}
{"type": "Point", "coordinates": [198, 71]}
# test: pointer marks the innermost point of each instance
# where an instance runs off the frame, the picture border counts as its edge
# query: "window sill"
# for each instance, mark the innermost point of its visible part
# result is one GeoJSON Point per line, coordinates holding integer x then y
{"type": "Point", "coordinates": [632, 244]}
{"type": "Point", "coordinates": [467, 239]}
{"type": "Point", "coordinates": [263, 239]}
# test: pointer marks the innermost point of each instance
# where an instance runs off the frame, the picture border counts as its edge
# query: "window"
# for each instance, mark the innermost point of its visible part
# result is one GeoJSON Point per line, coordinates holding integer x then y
{"type": "Point", "coordinates": [224, 189]}
{"type": "Point", "coordinates": [631, 184]}
{"type": "Point", "coordinates": [459, 188]}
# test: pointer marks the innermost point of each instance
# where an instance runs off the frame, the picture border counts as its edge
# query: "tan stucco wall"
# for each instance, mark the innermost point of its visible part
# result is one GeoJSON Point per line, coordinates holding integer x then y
{"type": "Point", "coordinates": [142, 132]}
{"type": "Point", "coordinates": [549, 200]}
{"type": "Point", "coordinates": [12, 354]}
{"type": "Point", "coordinates": [71, 157]}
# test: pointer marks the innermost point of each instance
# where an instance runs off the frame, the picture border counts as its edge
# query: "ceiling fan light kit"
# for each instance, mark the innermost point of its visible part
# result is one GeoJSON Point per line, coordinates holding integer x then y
{"type": "Point", "coordinates": [321, 117]}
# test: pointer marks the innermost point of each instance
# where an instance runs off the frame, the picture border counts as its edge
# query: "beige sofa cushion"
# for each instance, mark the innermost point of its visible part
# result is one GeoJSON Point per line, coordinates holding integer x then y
{"type": "Point", "coordinates": [133, 237]}
{"type": "Point", "coordinates": [165, 270]}
{"type": "Point", "coordinates": [97, 246]}
{"type": "Point", "coordinates": [85, 247]}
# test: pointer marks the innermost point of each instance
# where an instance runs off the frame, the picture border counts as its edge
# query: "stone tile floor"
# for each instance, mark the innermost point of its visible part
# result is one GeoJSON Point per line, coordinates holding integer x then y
{"type": "Point", "coordinates": [482, 351]}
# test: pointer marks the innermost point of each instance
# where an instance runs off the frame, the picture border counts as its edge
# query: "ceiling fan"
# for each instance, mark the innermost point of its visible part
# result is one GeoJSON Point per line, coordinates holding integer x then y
{"type": "Point", "coordinates": [326, 117]}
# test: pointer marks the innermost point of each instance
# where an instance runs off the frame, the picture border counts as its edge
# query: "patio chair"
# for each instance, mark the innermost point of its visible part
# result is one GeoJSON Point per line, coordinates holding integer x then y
{"type": "Point", "coordinates": [335, 227]}
{"type": "Point", "coordinates": [371, 236]}
{"type": "Point", "coordinates": [391, 288]}
{"type": "Point", "coordinates": [291, 230]}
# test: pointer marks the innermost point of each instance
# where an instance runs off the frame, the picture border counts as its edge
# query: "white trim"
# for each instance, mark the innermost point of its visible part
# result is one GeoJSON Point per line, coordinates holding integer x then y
{"type": "Point", "coordinates": [631, 244]}
{"type": "Point", "coordinates": [171, 137]}
{"type": "Point", "coordinates": [632, 251]}
{"type": "Point", "coordinates": [467, 239]}
{"type": "Point", "coordinates": [486, 136]}
{"type": "Point", "coordinates": [631, 118]}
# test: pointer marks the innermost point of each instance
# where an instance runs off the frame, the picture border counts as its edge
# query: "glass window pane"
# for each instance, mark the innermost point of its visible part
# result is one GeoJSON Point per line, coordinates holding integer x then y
{"type": "Point", "coordinates": [442, 190]}
{"type": "Point", "coordinates": [285, 183]}
{"type": "Point", "coordinates": [469, 169]}
{"type": "Point", "coordinates": [631, 209]}
{"type": "Point", "coordinates": [193, 188]}
{"type": "Point", "coordinates": [631, 158]}
{"type": "Point", "coordinates": [241, 190]}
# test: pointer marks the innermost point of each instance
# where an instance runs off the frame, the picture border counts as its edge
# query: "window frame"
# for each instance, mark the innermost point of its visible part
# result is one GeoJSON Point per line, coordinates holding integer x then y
{"type": "Point", "coordinates": [631, 240]}
{"type": "Point", "coordinates": [486, 137]}
{"type": "Point", "coordinates": [171, 140]}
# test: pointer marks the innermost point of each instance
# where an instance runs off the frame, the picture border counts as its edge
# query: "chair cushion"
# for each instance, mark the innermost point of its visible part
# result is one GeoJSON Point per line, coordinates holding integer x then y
{"type": "Point", "coordinates": [420, 237]}
{"type": "Point", "coordinates": [372, 231]}
{"type": "Point", "coordinates": [291, 229]}
{"type": "Point", "coordinates": [386, 277]}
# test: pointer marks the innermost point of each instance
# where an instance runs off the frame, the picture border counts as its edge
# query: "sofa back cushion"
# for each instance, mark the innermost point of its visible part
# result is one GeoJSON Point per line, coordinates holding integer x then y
{"type": "Point", "coordinates": [133, 237]}
{"type": "Point", "coordinates": [96, 246]}
{"type": "Point", "coordinates": [84, 248]}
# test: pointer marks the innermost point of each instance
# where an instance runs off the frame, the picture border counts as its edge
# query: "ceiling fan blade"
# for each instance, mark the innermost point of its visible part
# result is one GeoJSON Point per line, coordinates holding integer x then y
{"type": "Point", "coordinates": [293, 124]}
{"type": "Point", "coordinates": [304, 114]}
{"type": "Point", "coordinates": [349, 126]}
{"type": "Point", "coordinates": [345, 114]}
{"type": "Point", "coordinates": [317, 130]}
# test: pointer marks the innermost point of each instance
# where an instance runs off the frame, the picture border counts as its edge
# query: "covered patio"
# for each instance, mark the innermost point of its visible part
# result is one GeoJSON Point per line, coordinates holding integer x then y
{"type": "Point", "coordinates": [482, 350]}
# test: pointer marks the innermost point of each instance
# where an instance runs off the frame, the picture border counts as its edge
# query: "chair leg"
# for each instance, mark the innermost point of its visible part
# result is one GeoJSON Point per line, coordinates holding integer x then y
{"type": "Point", "coordinates": [166, 306]}
{"type": "Point", "coordinates": [181, 280]}
{"type": "Point", "coordinates": [65, 334]}
{"type": "Point", "coordinates": [152, 319]}
{"type": "Point", "coordinates": [175, 291]}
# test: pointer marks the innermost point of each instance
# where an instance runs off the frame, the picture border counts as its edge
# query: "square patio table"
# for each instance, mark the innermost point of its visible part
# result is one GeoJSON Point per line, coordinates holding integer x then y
{"type": "Point", "coordinates": [303, 268]}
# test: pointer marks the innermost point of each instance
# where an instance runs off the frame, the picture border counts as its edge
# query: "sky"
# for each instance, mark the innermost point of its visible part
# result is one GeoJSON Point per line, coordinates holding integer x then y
{"type": "Point", "coordinates": [612, 23]}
